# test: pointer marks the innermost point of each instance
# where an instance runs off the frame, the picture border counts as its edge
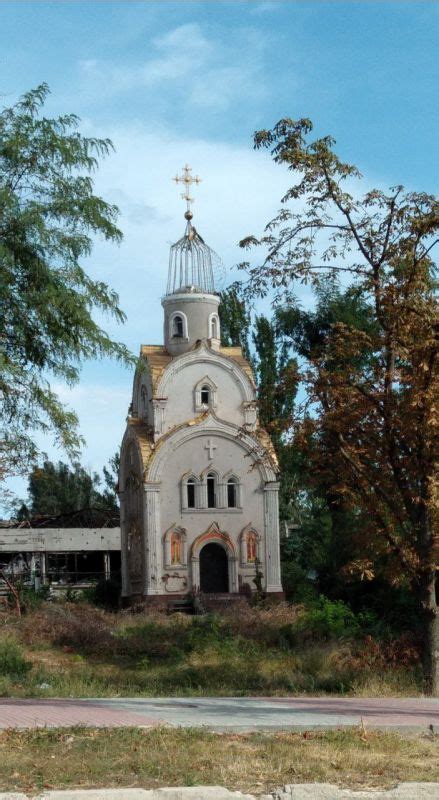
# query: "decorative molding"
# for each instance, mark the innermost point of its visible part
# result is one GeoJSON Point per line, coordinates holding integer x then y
{"type": "Point", "coordinates": [204, 355]}
{"type": "Point", "coordinates": [167, 547]}
{"type": "Point", "coordinates": [210, 425]}
{"type": "Point", "coordinates": [213, 389]}
{"type": "Point", "coordinates": [171, 335]}
{"type": "Point", "coordinates": [214, 327]}
{"type": "Point", "coordinates": [243, 545]}
{"type": "Point", "coordinates": [215, 535]}
{"type": "Point", "coordinates": [159, 406]}
{"type": "Point", "coordinates": [250, 410]}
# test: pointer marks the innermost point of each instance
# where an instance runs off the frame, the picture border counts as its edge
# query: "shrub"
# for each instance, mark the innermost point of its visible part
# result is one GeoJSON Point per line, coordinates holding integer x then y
{"type": "Point", "coordinates": [78, 626]}
{"type": "Point", "coordinates": [106, 593]}
{"type": "Point", "coordinates": [12, 663]}
{"type": "Point", "coordinates": [330, 619]}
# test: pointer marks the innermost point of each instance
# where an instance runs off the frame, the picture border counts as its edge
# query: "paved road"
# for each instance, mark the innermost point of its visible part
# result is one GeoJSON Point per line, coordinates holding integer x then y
{"type": "Point", "coordinates": [225, 713]}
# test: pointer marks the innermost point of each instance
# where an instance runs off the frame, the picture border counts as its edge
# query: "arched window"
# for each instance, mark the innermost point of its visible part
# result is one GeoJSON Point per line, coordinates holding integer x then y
{"type": "Point", "coordinates": [178, 326]}
{"type": "Point", "coordinates": [252, 547]}
{"type": "Point", "coordinates": [205, 395]}
{"type": "Point", "coordinates": [174, 542]}
{"type": "Point", "coordinates": [232, 494]}
{"type": "Point", "coordinates": [211, 490]}
{"type": "Point", "coordinates": [176, 548]}
{"type": "Point", "coordinates": [214, 326]}
{"type": "Point", "coordinates": [190, 488]}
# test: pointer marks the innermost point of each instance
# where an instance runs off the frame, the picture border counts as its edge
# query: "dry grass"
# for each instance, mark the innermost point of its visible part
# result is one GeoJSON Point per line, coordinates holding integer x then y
{"type": "Point", "coordinates": [257, 763]}
{"type": "Point", "coordinates": [78, 650]}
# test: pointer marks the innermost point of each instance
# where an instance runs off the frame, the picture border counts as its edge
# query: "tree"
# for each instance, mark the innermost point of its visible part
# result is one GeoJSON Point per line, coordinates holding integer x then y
{"type": "Point", "coordinates": [60, 490]}
{"type": "Point", "coordinates": [235, 321]}
{"type": "Point", "coordinates": [373, 391]}
{"type": "Point", "coordinates": [48, 218]}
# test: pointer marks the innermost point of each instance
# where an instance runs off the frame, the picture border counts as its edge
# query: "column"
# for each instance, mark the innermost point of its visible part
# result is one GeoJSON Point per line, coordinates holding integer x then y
{"type": "Point", "coordinates": [43, 562]}
{"type": "Point", "coordinates": [152, 539]}
{"type": "Point", "coordinates": [107, 571]}
{"type": "Point", "coordinates": [195, 573]}
{"type": "Point", "coordinates": [272, 551]}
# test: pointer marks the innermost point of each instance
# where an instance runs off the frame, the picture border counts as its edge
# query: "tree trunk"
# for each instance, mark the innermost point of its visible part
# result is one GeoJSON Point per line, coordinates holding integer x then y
{"type": "Point", "coordinates": [432, 640]}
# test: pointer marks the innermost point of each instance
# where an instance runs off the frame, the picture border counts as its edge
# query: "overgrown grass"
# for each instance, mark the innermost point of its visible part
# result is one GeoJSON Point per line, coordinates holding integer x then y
{"type": "Point", "coordinates": [257, 763]}
{"type": "Point", "coordinates": [77, 650]}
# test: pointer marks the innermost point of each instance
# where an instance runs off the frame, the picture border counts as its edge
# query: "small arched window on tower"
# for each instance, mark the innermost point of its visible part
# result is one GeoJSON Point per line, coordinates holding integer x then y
{"type": "Point", "coordinates": [232, 493]}
{"type": "Point", "coordinates": [213, 326]}
{"type": "Point", "coordinates": [178, 326]}
{"type": "Point", "coordinates": [190, 493]}
{"type": "Point", "coordinates": [205, 395]}
{"type": "Point", "coordinates": [211, 490]}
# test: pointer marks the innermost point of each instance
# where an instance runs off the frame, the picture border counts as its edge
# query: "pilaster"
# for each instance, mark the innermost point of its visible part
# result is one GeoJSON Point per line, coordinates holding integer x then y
{"type": "Point", "coordinates": [126, 588]}
{"type": "Point", "coordinates": [152, 538]}
{"type": "Point", "coordinates": [272, 549]}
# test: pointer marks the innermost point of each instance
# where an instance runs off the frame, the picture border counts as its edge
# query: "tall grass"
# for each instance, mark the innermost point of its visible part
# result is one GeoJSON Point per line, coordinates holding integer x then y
{"type": "Point", "coordinates": [79, 650]}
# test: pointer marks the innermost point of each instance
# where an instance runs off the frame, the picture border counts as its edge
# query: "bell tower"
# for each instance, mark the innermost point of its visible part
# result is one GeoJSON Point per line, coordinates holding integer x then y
{"type": "Point", "coordinates": [190, 304]}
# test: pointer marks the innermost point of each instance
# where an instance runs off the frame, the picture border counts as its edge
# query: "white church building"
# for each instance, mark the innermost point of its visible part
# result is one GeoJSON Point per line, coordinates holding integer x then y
{"type": "Point", "coordinates": [198, 481]}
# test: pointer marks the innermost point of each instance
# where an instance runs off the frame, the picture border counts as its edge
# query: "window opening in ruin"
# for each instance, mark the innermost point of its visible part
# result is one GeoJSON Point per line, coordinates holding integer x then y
{"type": "Point", "coordinates": [231, 493]}
{"type": "Point", "coordinates": [211, 491]}
{"type": "Point", "coordinates": [191, 493]}
{"type": "Point", "coordinates": [205, 395]}
{"type": "Point", "coordinates": [178, 328]}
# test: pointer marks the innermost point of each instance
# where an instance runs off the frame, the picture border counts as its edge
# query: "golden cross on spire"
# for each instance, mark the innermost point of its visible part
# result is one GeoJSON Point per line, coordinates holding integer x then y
{"type": "Point", "coordinates": [187, 179]}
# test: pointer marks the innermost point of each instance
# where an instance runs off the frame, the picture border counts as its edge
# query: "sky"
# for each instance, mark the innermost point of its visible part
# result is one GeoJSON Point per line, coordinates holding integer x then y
{"type": "Point", "coordinates": [189, 82]}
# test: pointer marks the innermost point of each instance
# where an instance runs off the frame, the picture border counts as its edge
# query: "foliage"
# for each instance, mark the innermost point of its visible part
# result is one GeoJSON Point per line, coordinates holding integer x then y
{"type": "Point", "coordinates": [59, 490]}
{"type": "Point", "coordinates": [235, 321]}
{"type": "Point", "coordinates": [371, 384]}
{"type": "Point", "coordinates": [106, 593]}
{"type": "Point", "coordinates": [277, 380]}
{"type": "Point", "coordinates": [12, 663]}
{"type": "Point", "coordinates": [48, 219]}
{"type": "Point", "coordinates": [81, 650]}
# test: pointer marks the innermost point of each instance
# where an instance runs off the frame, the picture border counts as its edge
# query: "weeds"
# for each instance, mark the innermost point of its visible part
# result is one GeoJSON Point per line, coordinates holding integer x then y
{"type": "Point", "coordinates": [85, 757]}
{"type": "Point", "coordinates": [79, 650]}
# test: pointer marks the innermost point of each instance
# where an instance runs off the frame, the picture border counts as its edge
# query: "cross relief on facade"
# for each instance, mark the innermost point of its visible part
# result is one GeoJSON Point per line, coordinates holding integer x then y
{"type": "Point", "coordinates": [210, 447]}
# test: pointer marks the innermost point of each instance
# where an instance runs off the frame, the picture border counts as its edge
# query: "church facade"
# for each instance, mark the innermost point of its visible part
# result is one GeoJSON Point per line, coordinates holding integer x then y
{"type": "Point", "coordinates": [198, 481]}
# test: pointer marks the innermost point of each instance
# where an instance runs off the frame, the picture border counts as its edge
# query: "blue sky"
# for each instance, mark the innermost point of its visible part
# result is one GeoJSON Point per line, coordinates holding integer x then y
{"type": "Point", "coordinates": [190, 81]}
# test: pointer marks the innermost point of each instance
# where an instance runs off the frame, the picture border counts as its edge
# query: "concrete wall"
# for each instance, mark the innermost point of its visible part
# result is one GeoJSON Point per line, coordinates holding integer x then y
{"type": "Point", "coordinates": [58, 540]}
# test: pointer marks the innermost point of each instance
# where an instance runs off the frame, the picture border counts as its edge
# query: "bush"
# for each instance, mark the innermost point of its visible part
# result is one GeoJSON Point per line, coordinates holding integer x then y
{"type": "Point", "coordinates": [330, 619]}
{"type": "Point", "coordinates": [77, 626]}
{"type": "Point", "coordinates": [106, 593]}
{"type": "Point", "coordinates": [12, 663]}
{"type": "Point", "coordinates": [28, 597]}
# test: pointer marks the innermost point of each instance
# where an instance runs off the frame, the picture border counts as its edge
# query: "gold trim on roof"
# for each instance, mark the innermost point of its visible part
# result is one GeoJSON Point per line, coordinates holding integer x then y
{"type": "Point", "coordinates": [158, 358]}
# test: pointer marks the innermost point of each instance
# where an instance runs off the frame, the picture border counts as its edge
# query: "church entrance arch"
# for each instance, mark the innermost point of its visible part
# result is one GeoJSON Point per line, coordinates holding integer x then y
{"type": "Point", "coordinates": [214, 569]}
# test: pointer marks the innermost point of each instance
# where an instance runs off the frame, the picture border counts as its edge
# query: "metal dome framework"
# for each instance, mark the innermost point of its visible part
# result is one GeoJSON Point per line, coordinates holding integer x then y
{"type": "Point", "coordinates": [191, 263]}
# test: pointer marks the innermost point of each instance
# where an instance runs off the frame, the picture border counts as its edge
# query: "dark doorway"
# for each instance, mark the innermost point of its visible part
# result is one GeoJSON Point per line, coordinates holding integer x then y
{"type": "Point", "coordinates": [214, 569]}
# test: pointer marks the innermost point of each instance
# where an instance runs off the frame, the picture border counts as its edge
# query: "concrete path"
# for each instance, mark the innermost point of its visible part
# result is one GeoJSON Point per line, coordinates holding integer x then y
{"type": "Point", "coordinates": [225, 713]}
{"type": "Point", "coordinates": [297, 791]}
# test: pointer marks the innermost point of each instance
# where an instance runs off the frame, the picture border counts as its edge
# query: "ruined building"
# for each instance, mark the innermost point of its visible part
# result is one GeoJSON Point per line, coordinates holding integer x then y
{"type": "Point", "coordinates": [198, 479]}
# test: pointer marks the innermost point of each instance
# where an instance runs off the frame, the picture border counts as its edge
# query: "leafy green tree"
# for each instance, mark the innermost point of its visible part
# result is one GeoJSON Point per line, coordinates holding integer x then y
{"type": "Point", "coordinates": [60, 490]}
{"type": "Point", "coordinates": [373, 392]}
{"type": "Point", "coordinates": [235, 321]}
{"type": "Point", "coordinates": [49, 216]}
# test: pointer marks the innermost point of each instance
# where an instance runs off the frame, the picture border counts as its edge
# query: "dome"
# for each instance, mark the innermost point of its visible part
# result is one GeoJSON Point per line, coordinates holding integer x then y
{"type": "Point", "coordinates": [191, 264]}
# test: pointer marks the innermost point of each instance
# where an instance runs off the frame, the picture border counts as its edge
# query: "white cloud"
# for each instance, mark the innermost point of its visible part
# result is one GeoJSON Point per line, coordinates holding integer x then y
{"type": "Point", "coordinates": [239, 193]}
{"type": "Point", "coordinates": [185, 58]}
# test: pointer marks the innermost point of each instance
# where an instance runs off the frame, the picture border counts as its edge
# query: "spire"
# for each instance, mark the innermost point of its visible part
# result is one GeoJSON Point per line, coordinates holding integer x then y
{"type": "Point", "coordinates": [190, 259]}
